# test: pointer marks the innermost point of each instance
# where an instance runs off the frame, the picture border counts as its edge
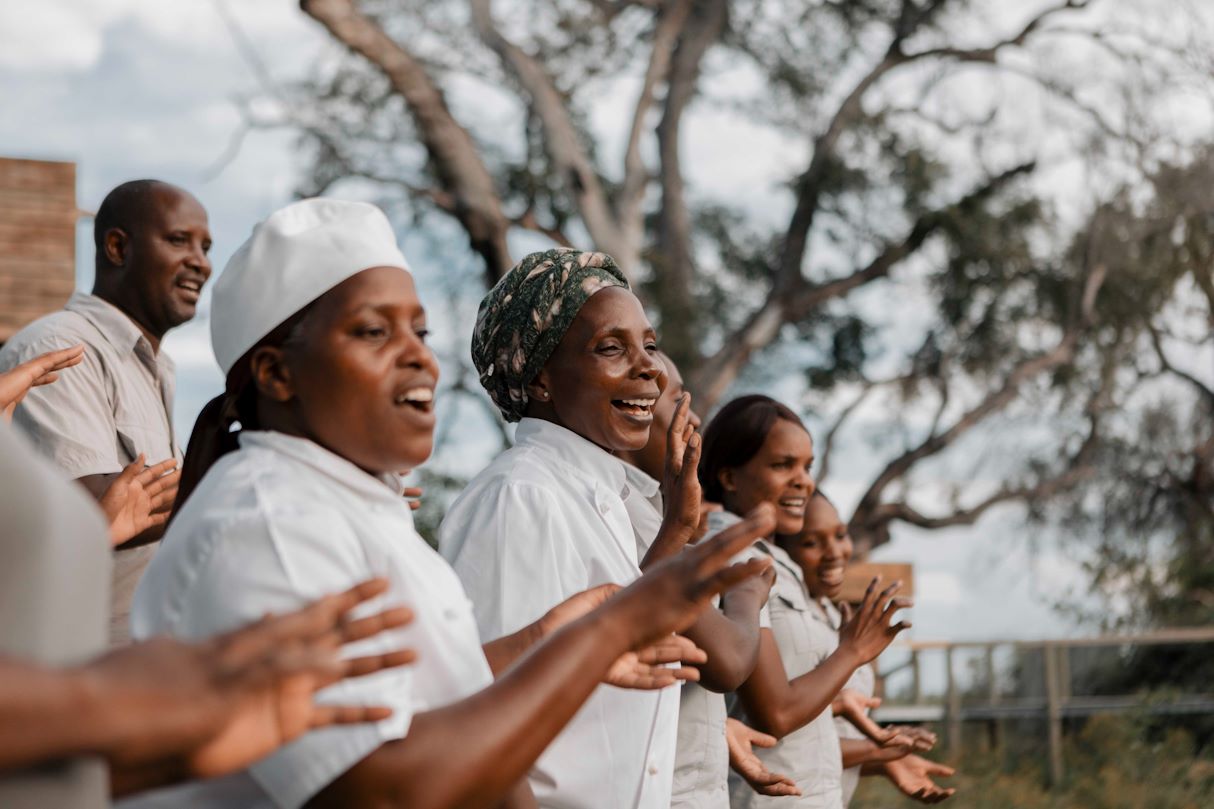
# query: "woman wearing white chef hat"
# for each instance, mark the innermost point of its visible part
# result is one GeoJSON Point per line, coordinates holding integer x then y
{"type": "Point", "coordinates": [318, 327]}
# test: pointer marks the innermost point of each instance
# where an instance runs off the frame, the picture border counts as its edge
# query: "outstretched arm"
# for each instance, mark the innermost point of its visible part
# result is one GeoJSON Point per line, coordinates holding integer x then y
{"type": "Point", "coordinates": [471, 753]}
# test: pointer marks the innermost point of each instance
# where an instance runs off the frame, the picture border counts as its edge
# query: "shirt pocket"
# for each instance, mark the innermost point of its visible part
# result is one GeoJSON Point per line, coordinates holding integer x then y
{"type": "Point", "coordinates": [134, 438]}
{"type": "Point", "coordinates": [791, 624]}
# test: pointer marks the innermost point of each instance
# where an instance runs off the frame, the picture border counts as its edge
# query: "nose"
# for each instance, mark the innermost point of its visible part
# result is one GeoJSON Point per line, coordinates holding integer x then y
{"type": "Point", "coordinates": [414, 353]}
{"type": "Point", "coordinates": [200, 262]}
{"type": "Point", "coordinates": [649, 366]}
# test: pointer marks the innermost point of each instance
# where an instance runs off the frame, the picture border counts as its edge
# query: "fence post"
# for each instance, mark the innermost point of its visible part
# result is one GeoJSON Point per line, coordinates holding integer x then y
{"type": "Point", "coordinates": [916, 678]}
{"type": "Point", "coordinates": [1053, 709]}
{"type": "Point", "coordinates": [953, 704]}
{"type": "Point", "coordinates": [996, 724]}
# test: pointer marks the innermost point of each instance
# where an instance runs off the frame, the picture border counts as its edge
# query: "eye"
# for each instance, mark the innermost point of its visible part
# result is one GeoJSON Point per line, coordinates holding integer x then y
{"type": "Point", "coordinates": [421, 332]}
{"type": "Point", "coordinates": [371, 331]}
{"type": "Point", "coordinates": [177, 238]}
{"type": "Point", "coordinates": [610, 348]}
{"type": "Point", "coordinates": [651, 347]}
{"type": "Point", "coordinates": [206, 247]}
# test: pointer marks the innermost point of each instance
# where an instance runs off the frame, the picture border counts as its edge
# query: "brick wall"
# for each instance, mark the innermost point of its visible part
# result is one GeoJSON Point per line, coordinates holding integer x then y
{"type": "Point", "coordinates": [37, 240]}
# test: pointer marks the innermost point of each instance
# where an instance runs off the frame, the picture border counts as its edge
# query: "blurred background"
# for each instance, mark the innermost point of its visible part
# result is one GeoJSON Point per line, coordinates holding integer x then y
{"type": "Point", "coordinates": [970, 241]}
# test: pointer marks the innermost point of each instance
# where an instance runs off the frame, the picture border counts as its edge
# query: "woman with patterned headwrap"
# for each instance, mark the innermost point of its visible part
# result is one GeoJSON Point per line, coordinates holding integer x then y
{"type": "Point", "coordinates": [564, 348]}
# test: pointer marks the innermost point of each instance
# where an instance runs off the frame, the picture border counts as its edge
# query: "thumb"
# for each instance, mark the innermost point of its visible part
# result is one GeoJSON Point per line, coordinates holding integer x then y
{"type": "Point", "coordinates": [761, 739]}
{"type": "Point", "coordinates": [935, 768]}
{"type": "Point", "coordinates": [873, 702]}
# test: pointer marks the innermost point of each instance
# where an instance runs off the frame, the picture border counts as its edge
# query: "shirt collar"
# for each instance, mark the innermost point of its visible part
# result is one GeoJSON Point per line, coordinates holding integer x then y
{"type": "Point", "coordinates": [576, 452]}
{"type": "Point", "coordinates": [114, 324]}
{"type": "Point", "coordinates": [640, 482]}
{"type": "Point", "coordinates": [314, 455]}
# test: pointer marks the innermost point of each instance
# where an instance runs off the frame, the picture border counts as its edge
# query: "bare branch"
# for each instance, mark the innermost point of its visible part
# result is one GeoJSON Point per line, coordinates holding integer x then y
{"type": "Point", "coordinates": [1202, 388]}
{"type": "Point", "coordinates": [636, 175]}
{"type": "Point", "coordinates": [561, 139]}
{"type": "Point", "coordinates": [455, 156]}
{"type": "Point", "coordinates": [781, 307]}
{"type": "Point", "coordinates": [828, 443]}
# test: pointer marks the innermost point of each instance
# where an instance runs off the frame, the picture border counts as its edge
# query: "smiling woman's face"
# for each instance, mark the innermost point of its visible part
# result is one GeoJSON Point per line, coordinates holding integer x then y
{"type": "Point", "coordinates": [822, 549]}
{"type": "Point", "coordinates": [359, 377]}
{"type": "Point", "coordinates": [778, 474]}
{"type": "Point", "coordinates": [604, 377]}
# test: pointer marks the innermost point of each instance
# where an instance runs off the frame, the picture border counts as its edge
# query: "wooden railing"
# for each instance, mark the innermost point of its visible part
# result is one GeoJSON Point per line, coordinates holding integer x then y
{"type": "Point", "coordinates": [1056, 704]}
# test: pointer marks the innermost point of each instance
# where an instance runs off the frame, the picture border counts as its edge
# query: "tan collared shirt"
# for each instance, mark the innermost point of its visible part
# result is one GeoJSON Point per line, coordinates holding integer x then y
{"type": "Point", "coordinates": [102, 413]}
{"type": "Point", "coordinates": [54, 577]}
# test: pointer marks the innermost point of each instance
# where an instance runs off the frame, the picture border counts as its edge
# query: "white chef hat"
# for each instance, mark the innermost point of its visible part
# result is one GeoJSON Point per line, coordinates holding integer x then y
{"type": "Point", "coordinates": [296, 255]}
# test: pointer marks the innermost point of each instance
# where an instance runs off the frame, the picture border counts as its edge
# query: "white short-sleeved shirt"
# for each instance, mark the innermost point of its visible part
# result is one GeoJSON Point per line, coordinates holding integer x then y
{"type": "Point", "coordinates": [546, 520]}
{"type": "Point", "coordinates": [863, 680]}
{"type": "Point", "coordinates": [278, 523]}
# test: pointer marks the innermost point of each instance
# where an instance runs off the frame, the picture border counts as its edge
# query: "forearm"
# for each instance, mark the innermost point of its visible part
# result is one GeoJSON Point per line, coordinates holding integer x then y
{"type": "Point", "coordinates": [858, 752]}
{"type": "Point", "coordinates": [47, 714]}
{"type": "Point", "coordinates": [505, 650]}
{"type": "Point", "coordinates": [128, 780]}
{"type": "Point", "coordinates": [779, 706]}
{"type": "Point", "coordinates": [472, 753]}
{"type": "Point", "coordinates": [730, 637]}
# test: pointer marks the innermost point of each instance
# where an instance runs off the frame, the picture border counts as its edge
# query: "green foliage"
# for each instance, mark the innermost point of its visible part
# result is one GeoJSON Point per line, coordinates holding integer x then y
{"type": "Point", "coordinates": [1113, 763]}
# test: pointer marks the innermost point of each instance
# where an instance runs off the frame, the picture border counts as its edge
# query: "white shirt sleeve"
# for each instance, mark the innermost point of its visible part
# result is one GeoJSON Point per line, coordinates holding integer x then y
{"type": "Point", "coordinates": [276, 564]}
{"type": "Point", "coordinates": [515, 555]}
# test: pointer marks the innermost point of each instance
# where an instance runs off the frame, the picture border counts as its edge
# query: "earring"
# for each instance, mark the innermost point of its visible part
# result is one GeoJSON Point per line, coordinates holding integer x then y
{"type": "Point", "coordinates": [544, 396]}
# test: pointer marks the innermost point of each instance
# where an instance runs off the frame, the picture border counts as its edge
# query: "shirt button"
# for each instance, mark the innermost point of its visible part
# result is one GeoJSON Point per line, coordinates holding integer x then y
{"type": "Point", "coordinates": [653, 770]}
{"type": "Point", "coordinates": [604, 508]}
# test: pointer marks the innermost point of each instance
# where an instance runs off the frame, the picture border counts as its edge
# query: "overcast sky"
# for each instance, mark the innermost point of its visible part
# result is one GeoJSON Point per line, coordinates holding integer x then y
{"type": "Point", "coordinates": [144, 88]}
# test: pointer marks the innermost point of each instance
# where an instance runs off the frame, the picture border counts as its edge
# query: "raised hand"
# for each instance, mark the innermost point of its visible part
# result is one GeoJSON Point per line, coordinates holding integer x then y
{"type": "Point", "coordinates": [853, 706]}
{"type": "Point", "coordinates": [680, 485]}
{"type": "Point", "coordinates": [222, 704]}
{"type": "Point", "coordinates": [867, 631]}
{"type": "Point", "coordinates": [742, 739]}
{"type": "Point", "coordinates": [41, 370]}
{"type": "Point", "coordinates": [643, 668]}
{"type": "Point", "coordinates": [913, 776]}
{"type": "Point", "coordinates": [672, 593]}
{"type": "Point", "coordinates": [647, 669]}
{"type": "Point", "coordinates": [414, 494]}
{"type": "Point", "coordinates": [141, 497]}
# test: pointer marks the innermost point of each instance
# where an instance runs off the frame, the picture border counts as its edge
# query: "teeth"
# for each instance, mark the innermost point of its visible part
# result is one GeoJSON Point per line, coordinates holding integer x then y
{"type": "Point", "coordinates": [793, 502]}
{"type": "Point", "coordinates": [419, 395]}
{"type": "Point", "coordinates": [640, 402]}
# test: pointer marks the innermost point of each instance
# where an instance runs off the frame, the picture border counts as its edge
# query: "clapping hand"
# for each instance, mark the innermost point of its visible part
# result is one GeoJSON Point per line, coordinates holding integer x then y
{"type": "Point", "coordinates": [913, 775]}
{"type": "Point", "coordinates": [140, 498]}
{"type": "Point", "coordinates": [41, 370]}
{"type": "Point", "coordinates": [222, 704]}
{"type": "Point", "coordinates": [853, 706]}
{"type": "Point", "coordinates": [741, 740]}
{"type": "Point", "coordinates": [868, 631]}
{"type": "Point", "coordinates": [644, 668]}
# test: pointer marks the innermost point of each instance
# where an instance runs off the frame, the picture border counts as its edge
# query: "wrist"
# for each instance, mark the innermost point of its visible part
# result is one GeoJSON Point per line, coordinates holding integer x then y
{"type": "Point", "coordinates": [99, 721]}
{"type": "Point", "coordinates": [848, 654]}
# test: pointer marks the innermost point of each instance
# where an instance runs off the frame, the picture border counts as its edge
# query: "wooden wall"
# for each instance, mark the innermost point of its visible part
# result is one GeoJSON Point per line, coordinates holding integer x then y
{"type": "Point", "coordinates": [37, 240]}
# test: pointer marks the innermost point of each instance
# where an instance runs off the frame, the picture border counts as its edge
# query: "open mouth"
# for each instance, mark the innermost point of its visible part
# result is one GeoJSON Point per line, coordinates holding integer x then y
{"type": "Point", "coordinates": [793, 505]}
{"type": "Point", "coordinates": [635, 408]}
{"type": "Point", "coordinates": [420, 399]}
{"type": "Point", "coordinates": [191, 287]}
{"type": "Point", "coordinates": [831, 575]}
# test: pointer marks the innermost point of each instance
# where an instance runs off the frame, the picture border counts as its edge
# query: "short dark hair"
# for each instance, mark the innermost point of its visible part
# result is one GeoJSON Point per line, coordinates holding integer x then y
{"type": "Point", "coordinates": [122, 208]}
{"type": "Point", "coordinates": [735, 435]}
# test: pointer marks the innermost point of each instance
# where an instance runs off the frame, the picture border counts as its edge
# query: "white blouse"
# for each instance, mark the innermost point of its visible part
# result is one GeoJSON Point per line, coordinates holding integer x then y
{"type": "Point", "coordinates": [276, 524]}
{"type": "Point", "coordinates": [545, 520]}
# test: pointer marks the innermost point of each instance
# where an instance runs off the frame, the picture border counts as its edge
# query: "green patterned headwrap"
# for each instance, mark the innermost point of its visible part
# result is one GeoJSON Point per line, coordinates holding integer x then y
{"type": "Point", "coordinates": [523, 318]}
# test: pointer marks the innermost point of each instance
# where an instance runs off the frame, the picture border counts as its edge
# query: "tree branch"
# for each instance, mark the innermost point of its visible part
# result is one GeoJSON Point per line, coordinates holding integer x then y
{"type": "Point", "coordinates": [865, 518]}
{"type": "Point", "coordinates": [1202, 388]}
{"type": "Point", "coordinates": [454, 155]}
{"type": "Point", "coordinates": [781, 307]}
{"type": "Point", "coordinates": [564, 147]}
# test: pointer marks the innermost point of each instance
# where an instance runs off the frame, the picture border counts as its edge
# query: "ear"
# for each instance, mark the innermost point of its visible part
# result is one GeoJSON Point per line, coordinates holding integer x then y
{"type": "Point", "coordinates": [538, 389]}
{"type": "Point", "coordinates": [271, 375]}
{"type": "Point", "coordinates": [117, 245]}
{"type": "Point", "coordinates": [725, 478]}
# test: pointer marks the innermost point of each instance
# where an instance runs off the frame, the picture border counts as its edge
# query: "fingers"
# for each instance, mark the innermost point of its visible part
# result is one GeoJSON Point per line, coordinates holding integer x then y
{"type": "Point", "coordinates": [391, 618]}
{"type": "Point", "coordinates": [846, 612]}
{"type": "Point", "coordinates": [41, 369]}
{"type": "Point", "coordinates": [942, 770]}
{"type": "Point", "coordinates": [761, 739]}
{"type": "Point", "coordinates": [369, 664]}
{"type": "Point", "coordinates": [674, 649]}
{"type": "Point", "coordinates": [731, 576]}
{"type": "Point", "coordinates": [149, 476]}
{"type": "Point", "coordinates": [129, 473]}
{"type": "Point", "coordinates": [759, 523]}
{"type": "Point", "coordinates": [326, 715]}
{"type": "Point", "coordinates": [691, 454]}
{"type": "Point", "coordinates": [675, 437]}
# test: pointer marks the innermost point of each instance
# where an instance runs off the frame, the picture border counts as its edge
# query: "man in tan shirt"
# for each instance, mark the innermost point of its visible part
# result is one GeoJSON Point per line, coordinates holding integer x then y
{"type": "Point", "coordinates": [152, 240]}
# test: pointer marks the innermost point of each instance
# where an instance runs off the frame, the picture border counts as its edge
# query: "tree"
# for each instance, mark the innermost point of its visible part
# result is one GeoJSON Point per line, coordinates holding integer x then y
{"type": "Point", "coordinates": [916, 175]}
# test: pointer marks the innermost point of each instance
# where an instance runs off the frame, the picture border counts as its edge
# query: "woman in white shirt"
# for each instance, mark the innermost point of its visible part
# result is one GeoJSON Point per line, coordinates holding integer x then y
{"type": "Point", "coordinates": [756, 451]}
{"type": "Point", "coordinates": [564, 348]}
{"type": "Point", "coordinates": [729, 632]}
{"type": "Point", "coordinates": [319, 329]}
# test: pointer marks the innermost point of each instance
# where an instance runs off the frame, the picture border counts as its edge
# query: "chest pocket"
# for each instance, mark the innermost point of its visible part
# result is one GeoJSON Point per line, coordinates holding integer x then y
{"type": "Point", "coordinates": [134, 438]}
{"type": "Point", "coordinates": [792, 626]}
